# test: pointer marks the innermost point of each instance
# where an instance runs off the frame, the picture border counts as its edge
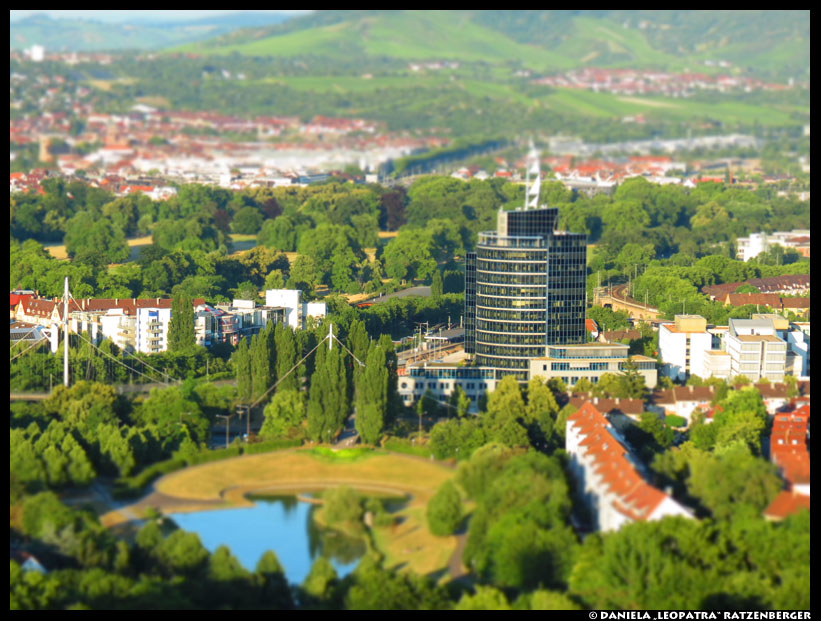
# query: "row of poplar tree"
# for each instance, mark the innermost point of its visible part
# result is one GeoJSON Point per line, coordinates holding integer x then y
{"type": "Point", "coordinates": [318, 383]}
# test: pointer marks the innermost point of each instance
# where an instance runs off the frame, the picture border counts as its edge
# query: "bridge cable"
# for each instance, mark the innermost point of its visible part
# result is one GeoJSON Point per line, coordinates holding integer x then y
{"type": "Point", "coordinates": [119, 362]}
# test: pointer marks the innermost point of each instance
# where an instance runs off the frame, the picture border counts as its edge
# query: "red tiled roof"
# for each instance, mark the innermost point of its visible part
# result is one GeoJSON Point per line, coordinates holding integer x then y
{"type": "Point", "coordinates": [16, 298]}
{"type": "Point", "coordinates": [609, 406]}
{"type": "Point", "coordinates": [773, 391]}
{"type": "Point", "coordinates": [42, 307]}
{"type": "Point", "coordinates": [773, 300]}
{"type": "Point", "coordinates": [694, 393]}
{"type": "Point", "coordinates": [785, 504]}
{"type": "Point", "coordinates": [635, 498]}
{"type": "Point", "coordinates": [795, 302]}
{"type": "Point", "coordinates": [618, 335]}
{"type": "Point", "coordinates": [788, 444]}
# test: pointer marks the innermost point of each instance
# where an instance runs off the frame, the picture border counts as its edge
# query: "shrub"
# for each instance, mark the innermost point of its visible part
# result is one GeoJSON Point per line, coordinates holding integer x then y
{"type": "Point", "coordinates": [445, 510]}
{"type": "Point", "coordinates": [342, 505]}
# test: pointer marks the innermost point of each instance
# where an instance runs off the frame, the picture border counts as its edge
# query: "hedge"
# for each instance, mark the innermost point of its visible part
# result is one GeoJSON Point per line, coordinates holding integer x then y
{"type": "Point", "coordinates": [404, 445]}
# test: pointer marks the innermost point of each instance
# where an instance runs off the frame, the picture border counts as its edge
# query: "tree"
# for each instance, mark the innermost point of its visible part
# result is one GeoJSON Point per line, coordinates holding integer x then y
{"type": "Point", "coordinates": [242, 370]}
{"type": "Point", "coordinates": [485, 598]}
{"type": "Point", "coordinates": [170, 410]}
{"type": "Point", "coordinates": [328, 405]}
{"type": "Point", "coordinates": [181, 335]}
{"type": "Point", "coordinates": [445, 511]}
{"type": "Point", "coordinates": [542, 409]}
{"type": "Point", "coordinates": [437, 286]}
{"type": "Point", "coordinates": [372, 396]}
{"type": "Point", "coordinates": [285, 412]}
{"type": "Point", "coordinates": [657, 565]}
{"type": "Point", "coordinates": [285, 346]}
{"type": "Point", "coordinates": [730, 478]}
{"type": "Point", "coordinates": [247, 221]}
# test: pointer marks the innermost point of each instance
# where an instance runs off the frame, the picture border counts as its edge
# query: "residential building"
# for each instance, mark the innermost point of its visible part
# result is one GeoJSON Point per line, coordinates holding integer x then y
{"type": "Point", "coordinates": [525, 287]}
{"type": "Point", "coordinates": [682, 346]}
{"type": "Point", "coordinates": [608, 477]}
{"type": "Point", "coordinates": [682, 401]}
{"type": "Point", "coordinates": [244, 318]}
{"type": "Point", "coordinates": [755, 244]}
{"type": "Point", "coordinates": [152, 329]}
{"type": "Point", "coordinates": [296, 311]}
{"type": "Point", "coordinates": [115, 319]}
{"type": "Point", "coordinates": [590, 361]}
{"type": "Point", "coordinates": [755, 349]}
{"type": "Point", "coordinates": [794, 284]}
{"type": "Point", "coordinates": [798, 341]}
{"type": "Point", "coordinates": [620, 412]}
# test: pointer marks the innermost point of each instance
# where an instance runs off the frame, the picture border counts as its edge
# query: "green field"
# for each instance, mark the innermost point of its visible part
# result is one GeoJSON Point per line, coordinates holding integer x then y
{"type": "Point", "coordinates": [606, 105]}
{"type": "Point", "coordinates": [354, 84]}
{"type": "Point", "coordinates": [445, 35]}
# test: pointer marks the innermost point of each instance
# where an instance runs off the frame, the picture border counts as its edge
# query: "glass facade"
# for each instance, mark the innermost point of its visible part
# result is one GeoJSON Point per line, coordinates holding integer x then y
{"type": "Point", "coordinates": [525, 288]}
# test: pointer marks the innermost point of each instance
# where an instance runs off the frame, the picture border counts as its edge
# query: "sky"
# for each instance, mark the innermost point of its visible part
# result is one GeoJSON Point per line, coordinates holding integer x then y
{"type": "Point", "coordinates": [131, 15]}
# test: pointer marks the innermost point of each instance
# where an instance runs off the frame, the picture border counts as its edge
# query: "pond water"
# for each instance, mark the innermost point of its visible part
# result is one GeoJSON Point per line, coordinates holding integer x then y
{"type": "Point", "coordinates": [284, 525]}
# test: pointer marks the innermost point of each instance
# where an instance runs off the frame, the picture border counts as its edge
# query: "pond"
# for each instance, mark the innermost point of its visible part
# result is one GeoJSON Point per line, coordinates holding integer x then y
{"type": "Point", "coordinates": [282, 524]}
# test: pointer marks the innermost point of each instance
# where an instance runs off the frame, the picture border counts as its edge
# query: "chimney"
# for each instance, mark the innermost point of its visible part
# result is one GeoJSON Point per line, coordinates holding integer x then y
{"type": "Point", "coordinates": [691, 387]}
{"type": "Point", "coordinates": [158, 300]}
{"type": "Point", "coordinates": [116, 301]}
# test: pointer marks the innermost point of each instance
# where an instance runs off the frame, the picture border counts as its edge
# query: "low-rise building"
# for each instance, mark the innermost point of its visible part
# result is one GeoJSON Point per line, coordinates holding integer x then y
{"type": "Point", "coordinates": [570, 363]}
{"type": "Point", "coordinates": [608, 477]}
{"type": "Point", "coordinates": [682, 401]}
{"type": "Point", "coordinates": [442, 379]}
{"type": "Point", "coordinates": [296, 311]}
{"type": "Point", "coordinates": [755, 244]}
{"type": "Point", "coordinates": [715, 363]}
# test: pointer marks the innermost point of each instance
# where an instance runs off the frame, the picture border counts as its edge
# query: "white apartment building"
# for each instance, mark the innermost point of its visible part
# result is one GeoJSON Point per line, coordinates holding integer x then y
{"type": "Point", "coordinates": [152, 329]}
{"type": "Point", "coordinates": [608, 477]}
{"type": "Point", "coordinates": [590, 361]}
{"type": "Point", "coordinates": [296, 311]}
{"type": "Point", "coordinates": [682, 346]}
{"type": "Point", "coordinates": [755, 244]}
{"type": "Point", "coordinates": [798, 341]}
{"type": "Point", "coordinates": [755, 349]}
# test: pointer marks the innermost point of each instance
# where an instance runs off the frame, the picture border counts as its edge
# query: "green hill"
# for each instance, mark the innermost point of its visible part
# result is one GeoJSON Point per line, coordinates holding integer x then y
{"type": "Point", "coordinates": [90, 35]}
{"type": "Point", "coordinates": [766, 42]}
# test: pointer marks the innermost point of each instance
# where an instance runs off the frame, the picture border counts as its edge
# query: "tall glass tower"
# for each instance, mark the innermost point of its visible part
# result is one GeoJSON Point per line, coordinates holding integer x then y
{"type": "Point", "coordinates": [525, 287]}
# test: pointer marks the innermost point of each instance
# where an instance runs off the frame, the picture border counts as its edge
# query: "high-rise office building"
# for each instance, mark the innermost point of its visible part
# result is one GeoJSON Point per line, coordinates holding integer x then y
{"type": "Point", "coordinates": [525, 287]}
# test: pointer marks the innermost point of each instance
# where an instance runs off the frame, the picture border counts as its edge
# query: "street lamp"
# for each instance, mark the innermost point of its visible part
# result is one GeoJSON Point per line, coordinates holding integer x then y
{"type": "Point", "coordinates": [227, 418]}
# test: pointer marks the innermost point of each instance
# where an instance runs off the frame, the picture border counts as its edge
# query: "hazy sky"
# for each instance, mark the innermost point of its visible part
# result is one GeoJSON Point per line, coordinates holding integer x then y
{"type": "Point", "coordinates": [131, 15]}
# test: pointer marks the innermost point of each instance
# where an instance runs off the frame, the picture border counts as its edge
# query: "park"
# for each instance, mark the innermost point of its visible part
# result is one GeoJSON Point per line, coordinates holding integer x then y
{"type": "Point", "coordinates": [407, 543]}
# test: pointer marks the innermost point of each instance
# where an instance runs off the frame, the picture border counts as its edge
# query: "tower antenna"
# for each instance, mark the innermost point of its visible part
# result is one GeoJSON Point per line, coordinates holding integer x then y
{"type": "Point", "coordinates": [533, 178]}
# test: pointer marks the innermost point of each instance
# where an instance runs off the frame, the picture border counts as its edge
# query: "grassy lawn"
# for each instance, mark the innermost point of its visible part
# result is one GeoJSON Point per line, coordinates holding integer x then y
{"type": "Point", "coordinates": [406, 544]}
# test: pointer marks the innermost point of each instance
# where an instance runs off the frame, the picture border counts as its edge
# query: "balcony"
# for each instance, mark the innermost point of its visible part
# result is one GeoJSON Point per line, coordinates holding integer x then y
{"type": "Point", "coordinates": [495, 240]}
